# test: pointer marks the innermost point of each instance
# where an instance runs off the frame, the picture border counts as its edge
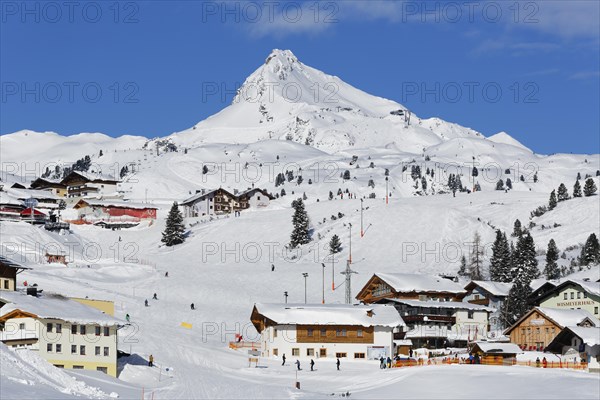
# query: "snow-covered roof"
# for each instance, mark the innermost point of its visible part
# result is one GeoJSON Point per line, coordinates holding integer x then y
{"type": "Point", "coordinates": [35, 193]}
{"type": "Point", "coordinates": [198, 196]}
{"type": "Point", "coordinates": [589, 336]}
{"type": "Point", "coordinates": [93, 177]}
{"type": "Point", "coordinates": [589, 287]}
{"type": "Point", "coordinates": [55, 306]}
{"type": "Point", "coordinates": [7, 199]}
{"type": "Point", "coordinates": [567, 317]}
{"type": "Point", "coordinates": [443, 304]}
{"type": "Point", "coordinates": [499, 348]}
{"type": "Point", "coordinates": [331, 314]}
{"type": "Point", "coordinates": [538, 283]}
{"type": "Point", "coordinates": [495, 288]}
{"type": "Point", "coordinates": [420, 283]}
{"type": "Point", "coordinates": [115, 203]}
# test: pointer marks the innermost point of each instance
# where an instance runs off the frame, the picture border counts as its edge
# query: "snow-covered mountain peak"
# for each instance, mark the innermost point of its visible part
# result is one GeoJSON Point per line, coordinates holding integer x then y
{"type": "Point", "coordinates": [505, 138]}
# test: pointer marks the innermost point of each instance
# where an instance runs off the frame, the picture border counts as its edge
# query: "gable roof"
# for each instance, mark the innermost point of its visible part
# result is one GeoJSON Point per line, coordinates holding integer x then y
{"type": "Point", "coordinates": [6, 262]}
{"type": "Point", "coordinates": [200, 195]}
{"type": "Point", "coordinates": [54, 306]}
{"type": "Point", "coordinates": [113, 203]}
{"type": "Point", "coordinates": [561, 318]}
{"type": "Point", "coordinates": [46, 182]}
{"type": "Point", "coordinates": [499, 289]}
{"type": "Point", "coordinates": [250, 192]}
{"type": "Point", "coordinates": [329, 314]}
{"type": "Point", "coordinates": [89, 177]}
{"type": "Point", "coordinates": [498, 348]}
{"type": "Point", "coordinates": [403, 283]}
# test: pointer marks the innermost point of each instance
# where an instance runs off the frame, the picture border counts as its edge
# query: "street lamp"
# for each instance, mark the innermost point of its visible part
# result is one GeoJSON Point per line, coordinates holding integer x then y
{"type": "Point", "coordinates": [323, 300]}
{"type": "Point", "coordinates": [362, 232]}
{"type": "Point", "coordinates": [305, 275]}
{"type": "Point", "coordinates": [350, 244]}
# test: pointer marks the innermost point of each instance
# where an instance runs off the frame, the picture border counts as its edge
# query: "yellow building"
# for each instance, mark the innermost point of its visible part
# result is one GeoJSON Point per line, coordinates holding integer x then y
{"type": "Point", "coordinates": [65, 332]}
{"type": "Point", "coordinates": [573, 295]}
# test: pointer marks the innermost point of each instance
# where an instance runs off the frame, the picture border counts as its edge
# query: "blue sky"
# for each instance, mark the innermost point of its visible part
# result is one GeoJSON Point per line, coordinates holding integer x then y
{"type": "Point", "coordinates": [529, 68]}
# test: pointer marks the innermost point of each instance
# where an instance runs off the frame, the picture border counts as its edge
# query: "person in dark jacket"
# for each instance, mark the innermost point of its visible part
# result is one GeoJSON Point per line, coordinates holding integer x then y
{"type": "Point", "coordinates": [192, 306]}
{"type": "Point", "coordinates": [312, 364]}
{"type": "Point", "coordinates": [381, 363]}
{"type": "Point", "coordinates": [283, 358]}
{"type": "Point", "coordinates": [146, 302]}
{"type": "Point", "coordinates": [298, 364]}
{"type": "Point", "coordinates": [337, 364]}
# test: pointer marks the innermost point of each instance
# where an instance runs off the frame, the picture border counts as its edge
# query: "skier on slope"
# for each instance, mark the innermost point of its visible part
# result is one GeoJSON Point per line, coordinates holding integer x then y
{"type": "Point", "coordinates": [146, 302]}
{"type": "Point", "coordinates": [127, 317]}
{"type": "Point", "coordinates": [154, 297]}
{"type": "Point", "coordinates": [192, 306]}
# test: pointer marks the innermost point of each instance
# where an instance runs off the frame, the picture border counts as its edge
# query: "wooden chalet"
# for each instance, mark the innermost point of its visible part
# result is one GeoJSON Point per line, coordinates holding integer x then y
{"type": "Point", "coordinates": [538, 327]}
{"type": "Point", "coordinates": [409, 286]}
{"type": "Point", "coordinates": [50, 184]}
{"type": "Point", "coordinates": [494, 353]}
{"type": "Point", "coordinates": [8, 273]}
{"type": "Point", "coordinates": [82, 184]}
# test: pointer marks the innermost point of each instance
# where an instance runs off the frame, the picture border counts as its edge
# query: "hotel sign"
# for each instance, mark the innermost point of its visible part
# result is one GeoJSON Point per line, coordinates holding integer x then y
{"type": "Point", "coordinates": [575, 303]}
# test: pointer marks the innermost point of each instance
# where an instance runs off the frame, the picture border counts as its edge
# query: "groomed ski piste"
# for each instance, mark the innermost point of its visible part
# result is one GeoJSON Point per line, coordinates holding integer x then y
{"type": "Point", "coordinates": [225, 264]}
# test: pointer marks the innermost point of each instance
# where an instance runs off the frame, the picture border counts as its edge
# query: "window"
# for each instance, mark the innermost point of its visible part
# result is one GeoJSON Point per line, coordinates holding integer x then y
{"type": "Point", "coordinates": [102, 369]}
{"type": "Point", "coordinates": [470, 314]}
{"type": "Point", "coordinates": [82, 350]}
{"type": "Point", "coordinates": [309, 332]}
{"type": "Point", "coordinates": [58, 328]}
{"type": "Point", "coordinates": [578, 295]}
{"type": "Point", "coordinates": [322, 352]}
{"type": "Point", "coordinates": [74, 329]}
{"type": "Point", "coordinates": [77, 366]}
{"type": "Point", "coordinates": [572, 295]}
{"type": "Point", "coordinates": [49, 327]}
{"type": "Point", "coordinates": [59, 348]}
{"type": "Point", "coordinates": [359, 355]}
{"type": "Point", "coordinates": [106, 352]}
{"type": "Point", "coordinates": [596, 310]}
{"type": "Point", "coordinates": [565, 296]}
{"type": "Point", "coordinates": [340, 332]}
{"type": "Point", "coordinates": [359, 333]}
{"type": "Point", "coordinates": [275, 352]}
{"type": "Point", "coordinates": [59, 366]}
{"type": "Point", "coordinates": [257, 197]}
{"type": "Point", "coordinates": [49, 347]}
{"type": "Point", "coordinates": [106, 331]}
{"type": "Point", "coordinates": [310, 352]}
{"type": "Point", "coordinates": [585, 295]}
{"type": "Point", "coordinates": [341, 355]}
{"type": "Point", "coordinates": [323, 332]}
{"type": "Point", "coordinates": [476, 297]}
{"type": "Point", "coordinates": [274, 332]}
{"type": "Point", "coordinates": [82, 329]}
{"type": "Point", "coordinates": [98, 331]}
{"type": "Point", "coordinates": [73, 349]}
{"type": "Point", "coordinates": [295, 352]}
{"type": "Point", "coordinates": [6, 284]}
{"type": "Point", "coordinates": [97, 352]}
{"type": "Point", "coordinates": [21, 326]}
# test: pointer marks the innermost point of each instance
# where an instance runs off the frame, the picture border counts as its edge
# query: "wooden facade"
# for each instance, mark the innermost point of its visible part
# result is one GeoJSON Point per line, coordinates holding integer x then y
{"type": "Point", "coordinates": [334, 334]}
{"type": "Point", "coordinates": [8, 274]}
{"type": "Point", "coordinates": [535, 330]}
{"type": "Point", "coordinates": [377, 289]}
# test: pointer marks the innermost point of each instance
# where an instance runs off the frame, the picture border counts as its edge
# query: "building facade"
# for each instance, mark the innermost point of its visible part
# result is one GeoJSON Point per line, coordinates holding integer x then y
{"type": "Point", "coordinates": [326, 331]}
{"type": "Point", "coordinates": [574, 295]}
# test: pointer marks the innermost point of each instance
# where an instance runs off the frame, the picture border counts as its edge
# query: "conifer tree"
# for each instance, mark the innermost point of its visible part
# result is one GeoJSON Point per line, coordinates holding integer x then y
{"type": "Point", "coordinates": [174, 232]}
{"type": "Point", "coordinates": [462, 271]}
{"type": "Point", "coordinates": [500, 185]}
{"type": "Point", "coordinates": [500, 264]}
{"type": "Point", "coordinates": [515, 305]}
{"type": "Point", "coordinates": [552, 200]}
{"type": "Point", "coordinates": [300, 232]}
{"type": "Point", "coordinates": [517, 229]}
{"type": "Point", "coordinates": [508, 184]}
{"type": "Point", "coordinates": [577, 189]}
{"type": "Point", "coordinates": [589, 188]}
{"type": "Point", "coordinates": [335, 245]}
{"type": "Point", "coordinates": [563, 193]}
{"type": "Point", "coordinates": [524, 259]}
{"type": "Point", "coordinates": [551, 270]}
{"type": "Point", "coordinates": [590, 252]}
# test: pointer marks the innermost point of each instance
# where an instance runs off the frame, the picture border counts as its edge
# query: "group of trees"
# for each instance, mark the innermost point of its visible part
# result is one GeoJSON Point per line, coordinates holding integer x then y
{"type": "Point", "coordinates": [562, 194]}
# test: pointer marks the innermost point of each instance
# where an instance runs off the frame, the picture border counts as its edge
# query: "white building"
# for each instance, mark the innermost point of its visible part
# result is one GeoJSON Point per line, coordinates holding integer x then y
{"type": "Point", "coordinates": [573, 294]}
{"type": "Point", "coordinates": [326, 330]}
{"type": "Point", "coordinates": [65, 332]}
{"type": "Point", "coordinates": [442, 323]}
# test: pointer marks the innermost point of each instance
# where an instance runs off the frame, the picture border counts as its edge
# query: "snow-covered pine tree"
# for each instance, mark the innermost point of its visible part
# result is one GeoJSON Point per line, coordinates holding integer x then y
{"type": "Point", "coordinates": [300, 222]}
{"type": "Point", "coordinates": [551, 270]}
{"type": "Point", "coordinates": [590, 252]}
{"type": "Point", "coordinates": [174, 232]}
{"type": "Point", "coordinates": [517, 229]}
{"type": "Point", "coordinates": [535, 178]}
{"type": "Point", "coordinates": [462, 271]}
{"type": "Point", "coordinates": [476, 259]}
{"type": "Point", "coordinates": [346, 175]}
{"type": "Point", "coordinates": [563, 193]}
{"type": "Point", "coordinates": [524, 257]}
{"type": "Point", "coordinates": [589, 188]}
{"type": "Point", "coordinates": [577, 189]}
{"type": "Point", "coordinates": [424, 183]}
{"type": "Point", "coordinates": [552, 200]}
{"type": "Point", "coordinates": [515, 305]}
{"type": "Point", "coordinates": [500, 262]}
{"type": "Point", "coordinates": [335, 245]}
